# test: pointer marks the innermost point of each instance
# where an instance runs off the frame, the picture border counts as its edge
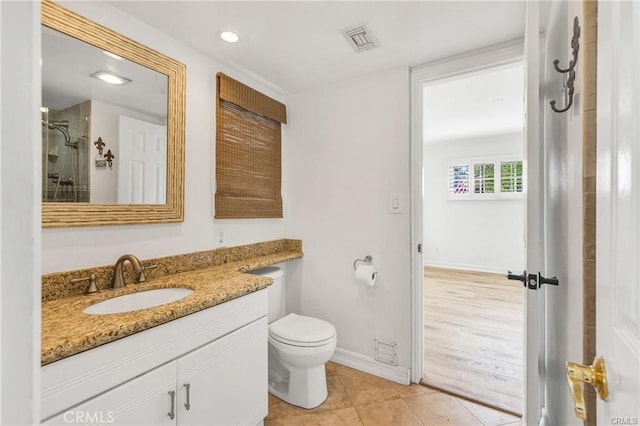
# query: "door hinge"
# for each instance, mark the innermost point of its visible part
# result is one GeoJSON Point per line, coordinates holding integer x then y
{"type": "Point", "coordinates": [420, 248]}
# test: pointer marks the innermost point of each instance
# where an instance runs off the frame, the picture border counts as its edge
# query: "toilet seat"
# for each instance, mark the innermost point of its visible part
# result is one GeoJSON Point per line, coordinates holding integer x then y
{"type": "Point", "coordinates": [298, 330]}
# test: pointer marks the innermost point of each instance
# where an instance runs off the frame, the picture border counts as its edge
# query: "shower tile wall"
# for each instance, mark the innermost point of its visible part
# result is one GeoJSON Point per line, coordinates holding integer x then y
{"type": "Point", "coordinates": [55, 152]}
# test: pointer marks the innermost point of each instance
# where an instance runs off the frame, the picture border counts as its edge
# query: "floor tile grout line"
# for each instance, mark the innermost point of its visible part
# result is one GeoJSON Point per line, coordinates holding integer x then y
{"type": "Point", "coordinates": [414, 413]}
{"type": "Point", "coordinates": [471, 412]}
{"type": "Point", "coordinates": [358, 414]}
{"type": "Point", "coordinates": [399, 397]}
{"type": "Point", "coordinates": [464, 397]}
{"type": "Point", "coordinates": [339, 376]}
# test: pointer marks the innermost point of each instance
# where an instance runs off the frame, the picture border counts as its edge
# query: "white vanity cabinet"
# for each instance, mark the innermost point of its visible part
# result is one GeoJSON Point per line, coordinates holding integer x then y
{"type": "Point", "coordinates": [226, 380]}
{"type": "Point", "coordinates": [141, 401]}
{"type": "Point", "coordinates": [206, 368]}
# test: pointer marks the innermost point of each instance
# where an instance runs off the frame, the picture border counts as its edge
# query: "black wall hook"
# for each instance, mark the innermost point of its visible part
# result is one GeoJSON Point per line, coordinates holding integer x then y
{"type": "Point", "coordinates": [568, 84]}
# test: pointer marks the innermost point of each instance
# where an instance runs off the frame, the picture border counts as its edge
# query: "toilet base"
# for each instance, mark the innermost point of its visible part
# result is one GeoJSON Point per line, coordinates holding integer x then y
{"type": "Point", "coordinates": [306, 388]}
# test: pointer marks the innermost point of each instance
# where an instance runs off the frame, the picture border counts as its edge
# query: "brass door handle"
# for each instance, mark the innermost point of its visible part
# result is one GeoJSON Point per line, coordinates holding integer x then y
{"type": "Point", "coordinates": [595, 375]}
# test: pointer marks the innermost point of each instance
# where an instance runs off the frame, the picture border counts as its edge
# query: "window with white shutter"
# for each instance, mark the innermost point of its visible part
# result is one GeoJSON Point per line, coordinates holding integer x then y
{"type": "Point", "coordinates": [511, 176]}
{"type": "Point", "coordinates": [493, 178]}
{"type": "Point", "coordinates": [459, 179]}
{"type": "Point", "coordinates": [484, 181]}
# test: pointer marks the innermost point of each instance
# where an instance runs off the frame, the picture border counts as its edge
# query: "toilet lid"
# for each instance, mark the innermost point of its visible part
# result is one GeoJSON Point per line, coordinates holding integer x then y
{"type": "Point", "coordinates": [300, 330]}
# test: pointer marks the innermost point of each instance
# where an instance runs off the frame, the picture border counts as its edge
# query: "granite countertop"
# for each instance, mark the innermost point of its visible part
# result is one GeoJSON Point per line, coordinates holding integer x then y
{"type": "Point", "coordinates": [66, 330]}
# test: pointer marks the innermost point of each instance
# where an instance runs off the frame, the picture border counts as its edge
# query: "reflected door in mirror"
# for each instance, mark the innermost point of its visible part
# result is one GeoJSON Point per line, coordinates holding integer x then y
{"type": "Point", "coordinates": [142, 172]}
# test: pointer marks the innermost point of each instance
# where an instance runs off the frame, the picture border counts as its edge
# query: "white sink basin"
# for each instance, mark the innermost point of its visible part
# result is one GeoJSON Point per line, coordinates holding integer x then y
{"type": "Point", "coordinates": [139, 300]}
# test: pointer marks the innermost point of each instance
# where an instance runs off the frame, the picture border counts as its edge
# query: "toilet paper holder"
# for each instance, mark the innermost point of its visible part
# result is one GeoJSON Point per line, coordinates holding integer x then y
{"type": "Point", "coordinates": [367, 259]}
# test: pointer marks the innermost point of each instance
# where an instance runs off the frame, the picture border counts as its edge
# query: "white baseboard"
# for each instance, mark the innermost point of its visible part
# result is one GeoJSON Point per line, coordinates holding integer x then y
{"type": "Point", "coordinates": [477, 268]}
{"type": "Point", "coordinates": [369, 365]}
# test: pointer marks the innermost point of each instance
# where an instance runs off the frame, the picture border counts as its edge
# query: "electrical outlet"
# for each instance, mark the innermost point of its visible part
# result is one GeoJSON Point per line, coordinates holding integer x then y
{"type": "Point", "coordinates": [221, 237]}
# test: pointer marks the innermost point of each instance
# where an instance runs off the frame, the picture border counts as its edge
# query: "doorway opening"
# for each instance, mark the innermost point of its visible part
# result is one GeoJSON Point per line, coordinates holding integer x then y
{"type": "Point", "coordinates": [473, 232]}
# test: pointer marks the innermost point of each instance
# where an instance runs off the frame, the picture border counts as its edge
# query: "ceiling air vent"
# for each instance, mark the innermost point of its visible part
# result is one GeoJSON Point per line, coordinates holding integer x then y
{"type": "Point", "coordinates": [360, 38]}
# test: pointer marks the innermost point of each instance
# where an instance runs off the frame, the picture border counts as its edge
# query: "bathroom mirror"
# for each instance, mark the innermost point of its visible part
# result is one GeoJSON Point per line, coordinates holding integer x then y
{"type": "Point", "coordinates": [112, 153]}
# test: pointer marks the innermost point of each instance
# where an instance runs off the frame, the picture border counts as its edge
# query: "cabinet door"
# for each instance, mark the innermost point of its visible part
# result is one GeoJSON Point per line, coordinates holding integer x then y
{"type": "Point", "coordinates": [227, 379]}
{"type": "Point", "coordinates": [141, 401]}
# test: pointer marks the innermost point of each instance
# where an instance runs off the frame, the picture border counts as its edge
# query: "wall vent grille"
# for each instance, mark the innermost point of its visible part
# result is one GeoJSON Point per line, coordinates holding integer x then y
{"type": "Point", "coordinates": [360, 38]}
{"type": "Point", "coordinates": [386, 352]}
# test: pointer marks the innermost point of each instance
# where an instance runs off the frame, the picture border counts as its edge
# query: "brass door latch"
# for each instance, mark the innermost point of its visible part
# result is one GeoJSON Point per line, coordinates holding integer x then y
{"type": "Point", "coordinates": [595, 375]}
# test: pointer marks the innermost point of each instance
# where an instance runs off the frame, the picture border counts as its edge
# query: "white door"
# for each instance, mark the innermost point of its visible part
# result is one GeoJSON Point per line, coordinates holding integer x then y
{"type": "Point", "coordinates": [534, 335]}
{"type": "Point", "coordinates": [618, 208]}
{"type": "Point", "coordinates": [142, 163]}
{"type": "Point", "coordinates": [225, 382]}
{"type": "Point", "coordinates": [141, 401]}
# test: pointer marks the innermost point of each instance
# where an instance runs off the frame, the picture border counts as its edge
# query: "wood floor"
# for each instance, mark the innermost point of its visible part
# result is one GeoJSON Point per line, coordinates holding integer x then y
{"type": "Point", "coordinates": [473, 336]}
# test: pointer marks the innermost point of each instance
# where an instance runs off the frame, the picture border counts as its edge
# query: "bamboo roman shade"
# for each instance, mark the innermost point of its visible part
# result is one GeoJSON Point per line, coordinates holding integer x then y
{"type": "Point", "coordinates": [248, 152]}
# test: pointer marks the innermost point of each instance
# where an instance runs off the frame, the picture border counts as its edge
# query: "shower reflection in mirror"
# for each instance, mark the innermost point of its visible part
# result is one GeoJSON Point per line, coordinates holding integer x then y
{"type": "Point", "coordinates": [64, 150]}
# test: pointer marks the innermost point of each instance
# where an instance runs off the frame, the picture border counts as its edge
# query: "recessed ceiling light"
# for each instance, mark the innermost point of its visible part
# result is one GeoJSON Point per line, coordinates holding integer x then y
{"type": "Point", "coordinates": [107, 77]}
{"type": "Point", "coordinates": [497, 100]}
{"type": "Point", "coordinates": [451, 131]}
{"type": "Point", "coordinates": [113, 55]}
{"type": "Point", "coordinates": [229, 36]}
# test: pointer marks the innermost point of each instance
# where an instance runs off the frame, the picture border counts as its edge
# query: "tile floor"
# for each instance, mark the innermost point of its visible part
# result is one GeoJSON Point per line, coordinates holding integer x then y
{"type": "Point", "coordinates": [357, 398]}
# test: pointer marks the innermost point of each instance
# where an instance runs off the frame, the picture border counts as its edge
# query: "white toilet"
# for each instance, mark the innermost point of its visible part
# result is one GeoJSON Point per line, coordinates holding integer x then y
{"type": "Point", "coordinates": [299, 347]}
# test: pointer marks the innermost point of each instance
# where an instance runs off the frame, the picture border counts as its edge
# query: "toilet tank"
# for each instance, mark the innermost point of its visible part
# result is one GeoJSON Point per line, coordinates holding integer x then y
{"type": "Point", "coordinates": [276, 291]}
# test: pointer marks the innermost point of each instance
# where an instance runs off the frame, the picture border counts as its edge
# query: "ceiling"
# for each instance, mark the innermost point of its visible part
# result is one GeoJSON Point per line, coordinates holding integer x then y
{"type": "Point", "coordinates": [486, 103]}
{"type": "Point", "coordinates": [67, 65]}
{"type": "Point", "coordinates": [298, 46]}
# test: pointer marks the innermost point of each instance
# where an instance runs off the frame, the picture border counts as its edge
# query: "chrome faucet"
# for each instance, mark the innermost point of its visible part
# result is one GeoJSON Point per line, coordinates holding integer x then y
{"type": "Point", "coordinates": [118, 276]}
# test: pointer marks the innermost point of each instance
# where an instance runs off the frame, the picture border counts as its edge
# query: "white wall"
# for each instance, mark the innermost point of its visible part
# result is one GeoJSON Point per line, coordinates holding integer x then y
{"type": "Point", "coordinates": [480, 235]}
{"type": "Point", "coordinates": [563, 150]}
{"type": "Point", "coordinates": [348, 150]}
{"type": "Point", "coordinates": [20, 167]}
{"type": "Point", "coordinates": [68, 248]}
{"type": "Point", "coordinates": [105, 123]}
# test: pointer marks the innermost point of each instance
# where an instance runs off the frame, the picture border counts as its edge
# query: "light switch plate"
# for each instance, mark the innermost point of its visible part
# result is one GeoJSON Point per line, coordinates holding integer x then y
{"type": "Point", "coordinates": [396, 203]}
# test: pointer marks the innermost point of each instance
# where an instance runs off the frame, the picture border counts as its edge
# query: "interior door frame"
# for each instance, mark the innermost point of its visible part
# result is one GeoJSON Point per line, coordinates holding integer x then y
{"type": "Point", "coordinates": [494, 56]}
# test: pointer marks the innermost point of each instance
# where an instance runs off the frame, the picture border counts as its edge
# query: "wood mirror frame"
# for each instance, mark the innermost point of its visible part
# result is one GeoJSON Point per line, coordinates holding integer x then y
{"type": "Point", "coordinates": [88, 214]}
